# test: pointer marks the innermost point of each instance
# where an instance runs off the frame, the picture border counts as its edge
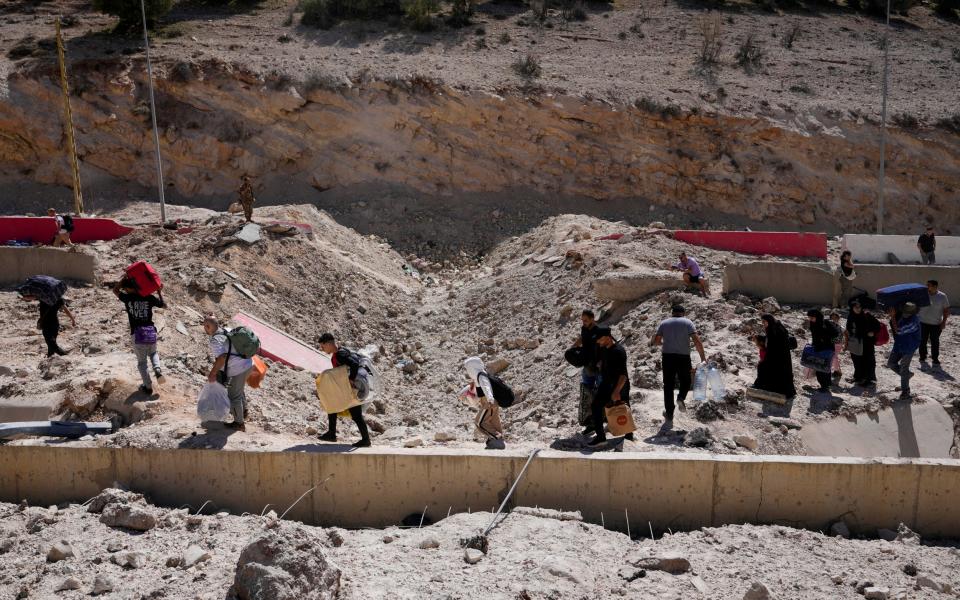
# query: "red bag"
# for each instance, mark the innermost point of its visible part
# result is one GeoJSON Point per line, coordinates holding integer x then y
{"type": "Point", "coordinates": [883, 336]}
{"type": "Point", "coordinates": [144, 277]}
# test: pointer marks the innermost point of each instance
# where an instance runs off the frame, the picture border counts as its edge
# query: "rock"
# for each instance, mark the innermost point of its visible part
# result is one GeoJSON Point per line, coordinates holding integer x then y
{"type": "Point", "coordinates": [60, 551]}
{"type": "Point", "coordinates": [657, 225]}
{"type": "Point", "coordinates": [887, 534]}
{"type": "Point", "coordinates": [757, 591]}
{"type": "Point", "coordinates": [418, 358]}
{"type": "Point", "coordinates": [310, 430]}
{"type": "Point", "coordinates": [113, 496]}
{"type": "Point", "coordinates": [408, 366]}
{"type": "Point", "coordinates": [70, 583]}
{"type": "Point", "coordinates": [413, 442]}
{"type": "Point", "coordinates": [634, 284]}
{"type": "Point", "coordinates": [770, 305]}
{"type": "Point", "coordinates": [286, 563]}
{"type": "Point", "coordinates": [375, 424]}
{"type": "Point", "coordinates": [472, 556]}
{"type": "Point", "coordinates": [924, 581]}
{"type": "Point", "coordinates": [910, 570]}
{"type": "Point", "coordinates": [497, 366]}
{"type": "Point", "coordinates": [907, 536]}
{"type": "Point", "coordinates": [268, 287]}
{"type": "Point", "coordinates": [428, 543]}
{"type": "Point", "coordinates": [840, 528]}
{"type": "Point", "coordinates": [707, 411]}
{"type": "Point", "coordinates": [131, 560]}
{"type": "Point", "coordinates": [128, 516]}
{"type": "Point", "coordinates": [193, 555]}
{"type": "Point", "coordinates": [6, 371]}
{"type": "Point", "coordinates": [102, 584]}
{"type": "Point", "coordinates": [172, 561]}
{"type": "Point", "coordinates": [876, 593]}
{"type": "Point", "coordinates": [631, 573]}
{"type": "Point", "coordinates": [671, 562]}
{"type": "Point", "coordinates": [746, 441]}
{"type": "Point", "coordinates": [786, 422]}
{"type": "Point", "coordinates": [444, 436]}
{"type": "Point", "coordinates": [249, 234]}
{"type": "Point", "coordinates": [698, 437]}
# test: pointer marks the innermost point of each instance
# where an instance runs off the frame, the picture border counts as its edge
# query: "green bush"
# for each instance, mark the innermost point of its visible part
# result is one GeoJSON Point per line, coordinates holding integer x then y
{"type": "Point", "coordinates": [419, 13]}
{"type": "Point", "coordinates": [129, 11]}
{"type": "Point", "coordinates": [327, 13]}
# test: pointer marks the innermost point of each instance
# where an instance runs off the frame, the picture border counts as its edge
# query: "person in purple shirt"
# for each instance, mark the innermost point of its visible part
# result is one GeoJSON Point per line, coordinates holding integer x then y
{"type": "Point", "coordinates": [692, 275]}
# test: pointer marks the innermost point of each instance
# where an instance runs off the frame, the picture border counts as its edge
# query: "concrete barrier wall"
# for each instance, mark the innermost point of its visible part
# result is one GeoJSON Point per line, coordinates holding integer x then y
{"type": "Point", "coordinates": [379, 488]}
{"type": "Point", "coordinates": [16, 264]}
{"type": "Point", "coordinates": [815, 283]}
{"type": "Point", "coordinates": [874, 248]}
{"type": "Point", "coordinates": [802, 283]}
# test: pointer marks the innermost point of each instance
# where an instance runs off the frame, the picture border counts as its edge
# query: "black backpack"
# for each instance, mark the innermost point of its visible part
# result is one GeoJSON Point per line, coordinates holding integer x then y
{"type": "Point", "coordinates": [67, 223]}
{"type": "Point", "coordinates": [502, 394]}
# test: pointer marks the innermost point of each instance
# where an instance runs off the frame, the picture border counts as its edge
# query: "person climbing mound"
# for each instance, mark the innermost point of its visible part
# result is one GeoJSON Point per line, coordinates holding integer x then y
{"type": "Point", "coordinates": [487, 393]}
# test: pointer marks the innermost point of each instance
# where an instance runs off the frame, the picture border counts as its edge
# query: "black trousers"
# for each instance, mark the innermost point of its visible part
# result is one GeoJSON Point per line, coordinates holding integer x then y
{"type": "Point", "coordinates": [357, 414]}
{"type": "Point", "coordinates": [676, 369]}
{"type": "Point", "coordinates": [931, 333]}
{"type": "Point", "coordinates": [865, 365]}
{"type": "Point", "coordinates": [824, 379]}
{"type": "Point", "coordinates": [50, 327]}
{"type": "Point", "coordinates": [600, 400]}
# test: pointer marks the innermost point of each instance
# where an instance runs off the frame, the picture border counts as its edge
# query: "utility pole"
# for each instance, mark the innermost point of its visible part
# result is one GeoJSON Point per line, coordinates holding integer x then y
{"type": "Point", "coordinates": [153, 115]}
{"type": "Point", "coordinates": [68, 116]}
{"type": "Point", "coordinates": [883, 123]}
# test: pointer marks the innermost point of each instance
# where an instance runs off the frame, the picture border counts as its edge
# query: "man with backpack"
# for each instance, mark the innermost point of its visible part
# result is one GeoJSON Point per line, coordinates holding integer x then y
{"type": "Point", "coordinates": [142, 330]}
{"type": "Point", "coordinates": [48, 292]}
{"type": "Point", "coordinates": [64, 228]}
{"type": "Point", "coordinates": [233, 352]}
{"type": "Point", "coordinates": [487, 393]}
{"type": "Point", "coordinates": [359, 379]}
{"type": "Point", "coordinates": [905, 326]}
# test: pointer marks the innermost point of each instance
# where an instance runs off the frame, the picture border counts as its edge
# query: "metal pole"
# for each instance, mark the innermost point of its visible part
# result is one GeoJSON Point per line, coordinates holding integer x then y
{"type": "Point", "coordinates": [153, 115]}
{"type": "Point", "coordinates": [71, 140]}
{"type": "Point", "coordinates": [883, 123]}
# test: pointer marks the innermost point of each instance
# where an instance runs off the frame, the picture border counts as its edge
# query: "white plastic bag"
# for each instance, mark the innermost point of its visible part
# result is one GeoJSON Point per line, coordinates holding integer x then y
{"type": "Point", "coordinates": [213, 403]}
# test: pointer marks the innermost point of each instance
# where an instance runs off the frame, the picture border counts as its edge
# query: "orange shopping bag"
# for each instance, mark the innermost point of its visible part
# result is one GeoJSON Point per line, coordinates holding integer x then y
{"type": "Point", "coordinates": [620, 419]}
{"type": "Point", "coordinates": [257, 373]}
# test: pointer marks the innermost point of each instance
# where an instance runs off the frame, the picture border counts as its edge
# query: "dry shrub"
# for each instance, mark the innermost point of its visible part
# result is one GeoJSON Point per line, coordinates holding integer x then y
{"type": "Point", "coordinates": [711, 44]}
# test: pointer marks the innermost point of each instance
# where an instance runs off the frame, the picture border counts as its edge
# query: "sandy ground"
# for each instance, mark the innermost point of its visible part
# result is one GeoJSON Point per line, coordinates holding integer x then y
{"type": "Point", "coordinates": [531, 554]}
{"type": "Point", "coordinates": [622, 53]}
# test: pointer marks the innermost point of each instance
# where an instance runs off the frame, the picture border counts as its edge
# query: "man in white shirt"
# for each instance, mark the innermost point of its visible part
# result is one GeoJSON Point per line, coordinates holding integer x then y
{"type": "Point", "coordinates": [229, 368]}
{"type": "Point", "coordinates": [933, 320]}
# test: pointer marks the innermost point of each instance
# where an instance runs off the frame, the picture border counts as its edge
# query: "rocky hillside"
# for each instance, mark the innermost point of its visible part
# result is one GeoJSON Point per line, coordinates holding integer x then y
{"type": "Point", "coordinates": [727, 143]}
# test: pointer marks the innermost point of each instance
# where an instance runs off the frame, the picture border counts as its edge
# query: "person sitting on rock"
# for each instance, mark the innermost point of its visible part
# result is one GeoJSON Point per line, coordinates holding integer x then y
{"type": "Point", "coordinates": [142, 330]}
{"type": "Point", "coordinates": [358, 380]}
{"type": "Point", "coordinates": [479, 394]}
{"type": "Point", "coordinates": [62, 237]}
{"type": "Point", "coordinates": [692, 275]}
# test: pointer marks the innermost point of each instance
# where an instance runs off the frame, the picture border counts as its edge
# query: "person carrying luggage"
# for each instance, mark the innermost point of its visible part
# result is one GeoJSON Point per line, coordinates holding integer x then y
{"type": "Point", "coordinates": [48, 293]}
{"type": "Point", "coordinates": [230, 369]}
{"type": "Point", "coordinates": [480, 394]}
{"type": "Point", "coordinates": [614, 385]}
{"type": "Point", "coordinates": [358, 380]}
{"type": "Point", "coordinates": [860, 340]}
{"type": "Point", "coordinates": [905, 328]}
{"type": "Point", "coordinates": [143, 332]}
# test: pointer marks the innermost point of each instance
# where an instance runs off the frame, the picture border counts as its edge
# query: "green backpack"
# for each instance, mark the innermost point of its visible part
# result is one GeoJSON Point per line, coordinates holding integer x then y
{"type": "Point", "coordinates": [243, 341]}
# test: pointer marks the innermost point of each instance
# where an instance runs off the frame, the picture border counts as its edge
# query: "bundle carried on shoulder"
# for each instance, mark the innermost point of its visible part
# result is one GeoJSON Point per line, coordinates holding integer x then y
{"type": "Point", "coordinates": [48, 290]}
{"type": "Point", "coordinates": [243, 341]}
{"type": "Point", "coordinates": [144, 278]}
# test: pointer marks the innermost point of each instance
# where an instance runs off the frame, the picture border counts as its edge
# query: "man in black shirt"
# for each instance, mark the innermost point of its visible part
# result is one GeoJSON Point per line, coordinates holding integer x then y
{"type": "Point", "coordinates": [927, 244]}
{"type": "Point", "coordinates": [588, 374]}
{"type": "Point", "coordinates": [614, 385]}
{"type": "Point", "coordinates": [358, 376]}
{"type": "Point", "coordinates": [142, 330]}
{"type": "Point", "coordinates": [49, 322]}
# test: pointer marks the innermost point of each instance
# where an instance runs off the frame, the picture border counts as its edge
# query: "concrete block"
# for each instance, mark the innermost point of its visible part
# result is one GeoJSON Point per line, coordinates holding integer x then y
{"type": "Point", "coordinates": [626, 286]}
{"type": "Point", "coordinates": [17, 264]}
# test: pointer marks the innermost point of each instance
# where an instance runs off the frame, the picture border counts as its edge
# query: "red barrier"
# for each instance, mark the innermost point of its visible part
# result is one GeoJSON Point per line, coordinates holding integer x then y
{"type": "Point", "coordinates": [775, 243]}
{"type": "Point", "coordinates": [40, 230]}
{"type": "Point", "coordinates": [281, 347]}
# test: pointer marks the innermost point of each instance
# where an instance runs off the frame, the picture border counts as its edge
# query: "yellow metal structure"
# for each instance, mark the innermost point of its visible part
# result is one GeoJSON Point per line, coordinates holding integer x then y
{"type": "Point", "coordinates": [71, 142]}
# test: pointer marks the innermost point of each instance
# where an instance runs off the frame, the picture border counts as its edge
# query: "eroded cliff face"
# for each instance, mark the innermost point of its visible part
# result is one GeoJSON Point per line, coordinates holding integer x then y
{"type": "Point", "coordinates": [219, 121]}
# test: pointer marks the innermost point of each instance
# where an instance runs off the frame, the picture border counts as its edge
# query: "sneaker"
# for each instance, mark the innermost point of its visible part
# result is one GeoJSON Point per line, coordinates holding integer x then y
{"type": "Point", "coordinates": [237, 426]}
{"type": "Point", "coordinates": [146, 390]}
{"type": "Point", "coordinates": [597, 441]}
{"type": "Point", "coordinates": [61, 351]}
{"type": "Point", "coordinates": [329, 436]}
{"type": "Point", "coordinates": [587, 431]}
{"type": "Point", "coordinates": [629, 437]}
{"type": "Point", "coordinates": [936, 363]}
{"type": "Point", "coordinates": [159, 375]}
{"type": "Point", "coordinates": [667, 425]}
{"type": "Point", "coordinates": [681, 405]}
{"type": "Point", "coordinates": [364, 443]}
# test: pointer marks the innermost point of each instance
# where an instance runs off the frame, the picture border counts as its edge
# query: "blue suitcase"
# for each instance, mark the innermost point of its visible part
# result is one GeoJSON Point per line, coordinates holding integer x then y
{"type": "Point", "coordinates": [898, 295]}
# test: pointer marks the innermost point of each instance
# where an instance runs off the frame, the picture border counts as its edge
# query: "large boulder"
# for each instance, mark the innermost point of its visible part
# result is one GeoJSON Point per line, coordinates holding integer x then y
{"type": "Point", "coordinates": [286, 563]}
{"type": "Point", "coordinates": [635, 284]}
